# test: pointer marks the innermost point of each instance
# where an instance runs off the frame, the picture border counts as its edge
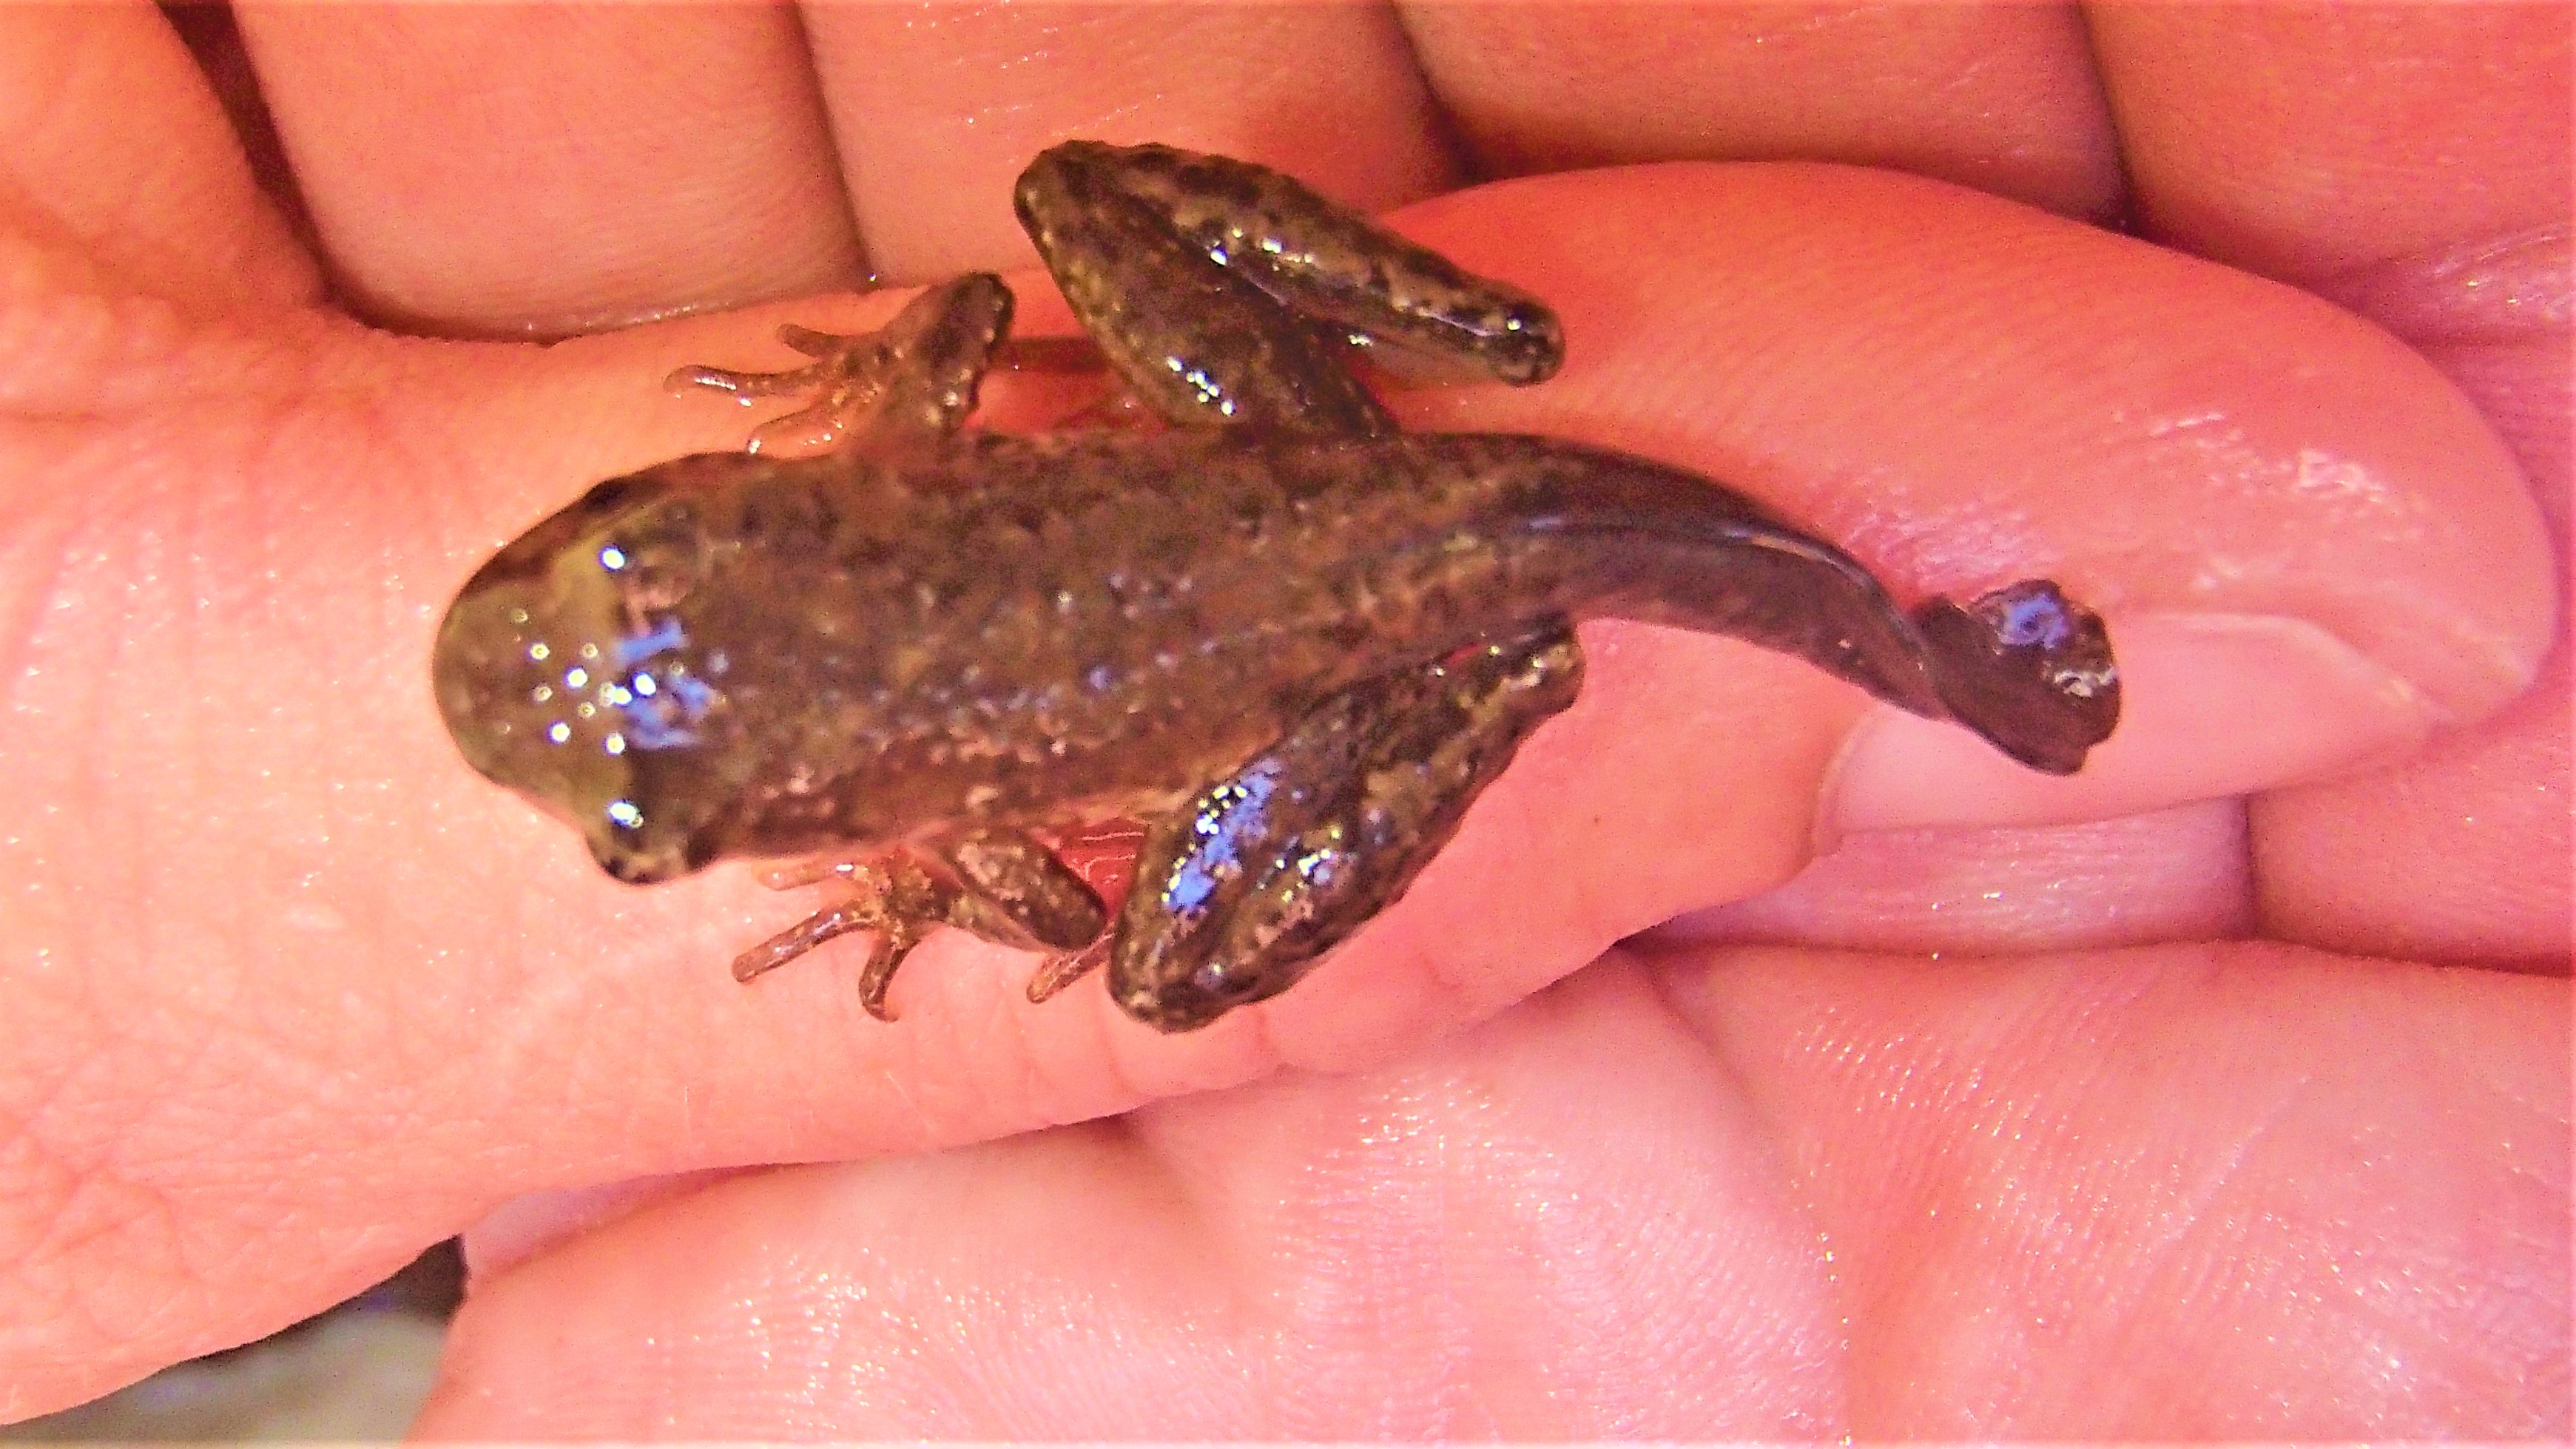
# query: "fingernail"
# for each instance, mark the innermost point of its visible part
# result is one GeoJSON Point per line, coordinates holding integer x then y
{"type": "Point", "coordinates": [2211, 705]}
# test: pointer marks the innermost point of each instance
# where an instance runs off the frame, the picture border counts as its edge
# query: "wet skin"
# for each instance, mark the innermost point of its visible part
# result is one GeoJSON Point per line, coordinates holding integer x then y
{"type": "Point", "coordinates": [1294, 641]}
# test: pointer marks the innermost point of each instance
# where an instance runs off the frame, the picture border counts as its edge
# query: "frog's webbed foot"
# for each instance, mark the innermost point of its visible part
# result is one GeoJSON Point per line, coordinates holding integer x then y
{"type": "Point", "coordinates": [2027, 668]}
{"type": "Point", "coordinates": [1003, 886]}
{"type": "Point", "coordinates": [1238, 893]}
{"type": "Point", "coordinates": [913, 378]}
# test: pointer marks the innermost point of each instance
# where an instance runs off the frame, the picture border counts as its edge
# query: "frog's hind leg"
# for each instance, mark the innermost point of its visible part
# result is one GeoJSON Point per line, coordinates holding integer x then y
{"type": "Point", "coordinates": [2027, 668]}
{"type": "Point", "coordinates": [1238, 893]}
{"type": "Point", "coordinates": [1200, 343]}
{"type": "Point", "coordinates": [1001, 885]}
{"type": "Point", "coordinates": [915, 377]}
{"type": "Point", "coordinates": [1017, 891]}
{"type": "Point", "coordinates": [1404, 305]}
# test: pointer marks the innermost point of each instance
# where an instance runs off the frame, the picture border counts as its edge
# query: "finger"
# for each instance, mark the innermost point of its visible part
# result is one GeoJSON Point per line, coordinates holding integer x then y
{"type": "Point", "coordinates": [2347, 143]}
{"type": "Point", "coordinates": [544, 170]}
{"type": "Point", "coordinates": [2337, 165]}
{"type": "Point", "coordinates": [2175, 875]}
{"type": "Point", "coordinates": [2466, 854]}
{"type": "Point", "coordinates": [1504, 1237]}
{"type": "Point", "coordinates": [1998, 97]}
{"type": "Point", "coordinates": [2462, 854]}
{"type": "Point", "coordinates": [119, 153]}
{"type": "Point", "coordinates": [938, 112]}
{"type": "Point", "coordinates": [1582, 1220]}
{"type": "Point", "coordinates": [2130, 1194]}
{"type": "Point", "coordinates": [2357, 181]}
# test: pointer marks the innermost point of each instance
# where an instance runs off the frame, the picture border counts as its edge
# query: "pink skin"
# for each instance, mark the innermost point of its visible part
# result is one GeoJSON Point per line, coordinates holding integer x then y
{"type": "Point", "coordinates": [289, 993]}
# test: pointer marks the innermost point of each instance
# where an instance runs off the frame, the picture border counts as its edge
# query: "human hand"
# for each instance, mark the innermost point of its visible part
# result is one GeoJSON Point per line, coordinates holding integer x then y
{"type": "Point", "coordinates": [290, 993]}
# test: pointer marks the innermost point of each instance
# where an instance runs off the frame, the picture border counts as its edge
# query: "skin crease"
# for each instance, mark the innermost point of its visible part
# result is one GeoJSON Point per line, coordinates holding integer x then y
{"type": "Point", "coordinates": [290, 994]}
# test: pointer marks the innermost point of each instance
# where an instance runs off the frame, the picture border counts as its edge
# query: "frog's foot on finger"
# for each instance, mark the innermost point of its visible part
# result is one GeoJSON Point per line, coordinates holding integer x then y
{"type": "Point", "coordinates": [804, 936]}
{"type": "Point", "coordinates": [843, 384]}
{"type": "Point", "coordinates": [1000, 885]}
{"type": "Point", "coordinates": [2028, 668]}
{"type": "Point", "coordinates": [914, 378]}
{"type": "Point", "coordinates": [1067, 967]}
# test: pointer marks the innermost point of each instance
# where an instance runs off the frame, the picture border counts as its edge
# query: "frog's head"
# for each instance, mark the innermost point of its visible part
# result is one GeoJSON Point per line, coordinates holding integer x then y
{"type": "Point", "coordinates": [564, 673]}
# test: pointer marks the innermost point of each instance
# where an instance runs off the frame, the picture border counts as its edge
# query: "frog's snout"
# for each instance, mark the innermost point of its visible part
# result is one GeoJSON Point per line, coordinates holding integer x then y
{"type": "Point", "coordinates": [484, 679]}
{"type": "Point", "coordinates": [522, 676]}
{"type": "Point", "coordinates": [510, 682]}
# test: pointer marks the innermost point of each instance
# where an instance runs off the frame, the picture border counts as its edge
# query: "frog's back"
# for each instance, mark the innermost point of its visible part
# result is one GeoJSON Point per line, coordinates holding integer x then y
{"type": "Point", "coordinates": [1087, 580]}
{"type": "Point", "coordinates": [1022, 629]}
{"type": "Point", "coordinates": [1005, 626]}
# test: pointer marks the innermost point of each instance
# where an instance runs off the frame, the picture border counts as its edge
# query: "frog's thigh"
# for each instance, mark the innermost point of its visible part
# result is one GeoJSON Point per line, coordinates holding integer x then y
{"type": "Point", "coordinates": [1240, 892]}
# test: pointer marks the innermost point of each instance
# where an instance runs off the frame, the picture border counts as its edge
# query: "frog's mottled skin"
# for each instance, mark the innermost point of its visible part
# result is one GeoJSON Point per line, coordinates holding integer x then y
{"type": "Point", "coordinates": [1296, 643]}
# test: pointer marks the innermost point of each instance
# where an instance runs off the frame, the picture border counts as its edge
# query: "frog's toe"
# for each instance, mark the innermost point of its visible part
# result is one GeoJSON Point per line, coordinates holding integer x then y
{"type": "Point", "coordinates": [1067, 967]}
{"type": "Point", "coordinates": [893, 944]}
{"type": "Point", "coordinates": [804, 936]}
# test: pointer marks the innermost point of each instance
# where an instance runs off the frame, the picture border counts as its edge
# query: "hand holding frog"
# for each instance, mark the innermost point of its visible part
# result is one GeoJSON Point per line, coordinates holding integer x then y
{"type": "Point", "coordinates": [265, 923]}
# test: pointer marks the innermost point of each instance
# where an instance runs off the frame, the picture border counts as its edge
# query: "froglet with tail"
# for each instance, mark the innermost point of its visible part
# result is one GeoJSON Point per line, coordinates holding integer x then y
{"type": "Point", "coordinates": [1292, 640]}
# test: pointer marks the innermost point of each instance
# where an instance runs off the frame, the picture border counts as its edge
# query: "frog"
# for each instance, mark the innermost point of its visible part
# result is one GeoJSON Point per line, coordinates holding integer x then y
{"type": "Point", "coordinates": [1292, 640]}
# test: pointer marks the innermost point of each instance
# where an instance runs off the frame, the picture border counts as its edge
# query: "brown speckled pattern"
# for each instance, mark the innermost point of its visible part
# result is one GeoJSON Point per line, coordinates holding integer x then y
{"type": "Point", "coordinates": [1296, 642]}
{"type": "Point", "coordinates": [1037, 629]}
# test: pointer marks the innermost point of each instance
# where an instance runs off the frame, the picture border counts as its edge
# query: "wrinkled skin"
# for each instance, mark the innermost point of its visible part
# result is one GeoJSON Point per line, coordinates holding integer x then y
{"type": "Point", "coordinates": [2237, 1103]}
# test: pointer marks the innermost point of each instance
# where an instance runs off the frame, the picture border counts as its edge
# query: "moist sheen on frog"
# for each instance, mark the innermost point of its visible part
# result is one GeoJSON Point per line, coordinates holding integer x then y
{"type": "Point", "coordinates": [1292, 640]}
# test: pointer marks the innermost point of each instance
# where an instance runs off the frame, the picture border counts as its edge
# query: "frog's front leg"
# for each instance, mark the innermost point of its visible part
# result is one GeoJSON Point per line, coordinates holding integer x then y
{"type": "Point", "coordinates": [1238, 893]}
{"type": "Point", "coordinates": [1002, 885]}
{"type": "Point", "coordinates": [890, 894]}
{"type": "Point", "coordinates": [914, 378]}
